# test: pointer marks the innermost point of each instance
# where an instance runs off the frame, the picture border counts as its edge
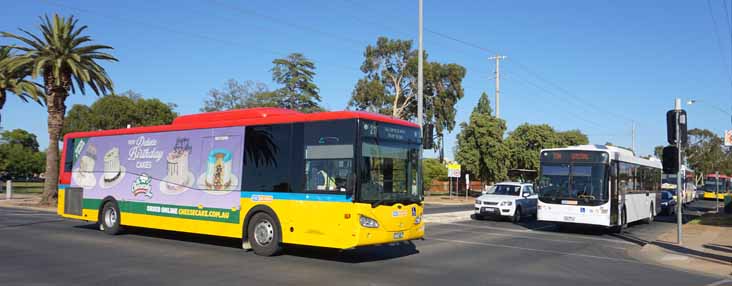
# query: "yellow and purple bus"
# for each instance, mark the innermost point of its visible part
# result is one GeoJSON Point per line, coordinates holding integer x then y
{"type": "Point", "coordinates": [268, 176]}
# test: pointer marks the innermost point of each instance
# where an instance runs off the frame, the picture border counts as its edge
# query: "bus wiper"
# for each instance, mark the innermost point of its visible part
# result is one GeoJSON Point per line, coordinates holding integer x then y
{"type": "Point", "coordinates": [377, 203]}
{"type": "Point", "coordinates": [591, 197]}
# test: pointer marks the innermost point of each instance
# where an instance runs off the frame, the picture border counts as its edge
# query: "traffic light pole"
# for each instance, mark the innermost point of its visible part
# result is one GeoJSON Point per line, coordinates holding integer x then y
{"type": "Point", "coordinates": [679, 203]}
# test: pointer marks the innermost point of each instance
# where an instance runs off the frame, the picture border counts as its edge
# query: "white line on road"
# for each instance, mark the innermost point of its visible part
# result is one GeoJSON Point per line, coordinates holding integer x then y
{"type": "Point", "coordinates": [540, 232]}
{"type": "Point", "coordinates": [538, 250]}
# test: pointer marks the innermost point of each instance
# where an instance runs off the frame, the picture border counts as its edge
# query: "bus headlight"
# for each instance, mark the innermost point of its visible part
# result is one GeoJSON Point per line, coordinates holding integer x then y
{"type": "Point", "coordinates": [368, 222]}
{"type": "Point", "coordinates": [418, 219]}
{"type": "Point", "coordinates": [506, 203]}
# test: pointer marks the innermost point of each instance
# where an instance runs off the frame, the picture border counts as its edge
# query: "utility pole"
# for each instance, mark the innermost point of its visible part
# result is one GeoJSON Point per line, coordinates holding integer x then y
{"type": "Point", "coordinates": [420, 91]}
{"type": "Point", "coordinates": [633, 144]}
{"type": "Point", "coordinates": [679, 203]}
{"type": "Point", "coordinates": [498, 59]}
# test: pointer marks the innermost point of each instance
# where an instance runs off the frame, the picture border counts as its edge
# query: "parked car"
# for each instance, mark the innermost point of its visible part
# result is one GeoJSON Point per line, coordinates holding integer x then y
{"type": "Point", "coordinates": [508, 200]}
{"type": "Point", "coordinates": [668, 203]}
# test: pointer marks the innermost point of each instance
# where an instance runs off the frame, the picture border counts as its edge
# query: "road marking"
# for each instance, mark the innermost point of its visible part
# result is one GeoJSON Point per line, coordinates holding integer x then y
{"type": "Point", "coordinates": [538, 250]}
{"type": "Point", "coordinates": [720, 282]}
{"type": "Point", "coordinates": [528, 237]}
{"type": "Point", "coordinates": [539, 232]}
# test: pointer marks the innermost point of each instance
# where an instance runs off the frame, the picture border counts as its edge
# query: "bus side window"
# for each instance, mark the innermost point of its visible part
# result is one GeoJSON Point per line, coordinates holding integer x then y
{"type": "Point", "coordinates": [267, 158]}
{"type": "Point", "coordinates": [68, 155]}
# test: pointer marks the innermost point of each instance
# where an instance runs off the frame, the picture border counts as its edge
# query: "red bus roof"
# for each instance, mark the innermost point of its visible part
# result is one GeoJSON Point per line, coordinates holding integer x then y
{"type": "Point", "coordinates": [244, 117]}
{"type": "Point", "coordinates": [721, 176]}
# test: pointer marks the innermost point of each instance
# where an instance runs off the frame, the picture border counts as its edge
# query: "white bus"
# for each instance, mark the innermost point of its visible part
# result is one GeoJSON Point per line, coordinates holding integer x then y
{"type": "Point", "coordinates": [597, 185]}
{"type": "Point", "coordinates": [687, 182]}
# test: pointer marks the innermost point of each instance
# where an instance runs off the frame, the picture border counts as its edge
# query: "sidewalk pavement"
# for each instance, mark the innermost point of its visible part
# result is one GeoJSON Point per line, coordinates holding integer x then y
{"type": "Point", "coordinates": [447, 217]}
{"type": "Point", "coordinates": [706, 248]}
{"type": "Point", "coordinates": [25, 201]}
{"type": "Point", "coordinates": [446, 200]}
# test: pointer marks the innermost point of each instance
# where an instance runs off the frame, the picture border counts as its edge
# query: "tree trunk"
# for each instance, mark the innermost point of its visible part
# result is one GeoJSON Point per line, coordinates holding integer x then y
{"type": "Point", "coordinates": [56, 109]}
{"type": "Point", "coordinates": [3, 97]}
{"type": "Point", "coordinates": [442, 149]}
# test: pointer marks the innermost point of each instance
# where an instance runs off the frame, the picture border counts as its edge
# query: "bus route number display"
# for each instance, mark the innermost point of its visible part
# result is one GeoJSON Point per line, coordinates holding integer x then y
{"type": "Point", "coordinates": [574, 157]}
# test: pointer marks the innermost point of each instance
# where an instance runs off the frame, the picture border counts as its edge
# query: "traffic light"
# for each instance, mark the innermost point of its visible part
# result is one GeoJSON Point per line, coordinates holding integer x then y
{"type": "Point", "coordinates": [671, 127]}
{"type": "Point", "coordinates": [428, 142]}
{"type": "Point", "coordinates": [670, 160]}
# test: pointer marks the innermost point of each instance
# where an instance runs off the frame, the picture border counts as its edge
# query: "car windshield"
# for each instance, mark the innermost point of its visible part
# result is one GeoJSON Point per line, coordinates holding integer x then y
{"type": "Point", "coordinates": [508, 190]}
{"type": "Point", "coordinates": [665, 196]}
{"type": "Point", "coordinates": [389, 172]}
{"type": "Point", "coordinates": [584, 183]}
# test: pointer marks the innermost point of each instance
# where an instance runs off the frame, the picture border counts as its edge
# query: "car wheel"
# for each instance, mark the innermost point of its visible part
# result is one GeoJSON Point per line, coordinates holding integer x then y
{"type": "Point", "coordinates": [264, 235]}
{"type": "Point", "coordinates": [110, 219]}
{"type": "Point", "coordinates": [516, 216]}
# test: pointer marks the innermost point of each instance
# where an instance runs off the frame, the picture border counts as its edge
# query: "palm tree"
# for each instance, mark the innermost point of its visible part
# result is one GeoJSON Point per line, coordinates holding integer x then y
{"type": "Point", "coordinates": [65, 65]}
{"type": "Point", "coordinates": [15, 82]}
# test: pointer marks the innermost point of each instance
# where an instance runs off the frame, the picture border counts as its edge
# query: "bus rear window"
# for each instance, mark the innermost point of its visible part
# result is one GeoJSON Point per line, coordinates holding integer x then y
{"type": "Point", "coordinates": [68, 155]}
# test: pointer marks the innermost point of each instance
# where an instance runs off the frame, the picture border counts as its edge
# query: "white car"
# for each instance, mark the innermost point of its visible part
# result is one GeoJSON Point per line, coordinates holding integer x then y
{"type": "Point", "coordinates": [509, 199]}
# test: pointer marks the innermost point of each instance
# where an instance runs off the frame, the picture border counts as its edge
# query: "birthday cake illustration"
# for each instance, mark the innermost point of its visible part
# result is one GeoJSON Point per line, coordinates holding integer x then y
{"type": "Point", "coordinates": [179, 176]}
{"type": "Point", "coordinates": [84, 174]}
{"type": "Point", "coordinates": [113, 170]}
{"type": "Point", "coordinates": [218, 178]}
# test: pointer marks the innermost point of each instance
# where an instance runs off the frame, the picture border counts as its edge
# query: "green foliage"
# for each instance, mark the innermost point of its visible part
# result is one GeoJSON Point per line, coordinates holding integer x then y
{"type": "Point", "coordinates": [14, 81]}
{"type": "Point", "coordinates": [527, 140]}
{"type": "Point", "coordinates": [236, 95]}
{"type": "Point", "coordinates": [432, 169]}
{"type": "Point", "coordinates": [705, 154]}
{"type": "Point", "coordinates": [19, 155]}
{"type": "Point", "coordinates": [389, 86]}
{"type": "Point", "coordinates": [480, 148]}
{"type": "Point", "coordinates": [20, 137]}
{"type": "Point", "coordinates": [658, 151]}
{"type": "Point", "coordinates": [117, 111]}
{"type": "Point", "coordinates": [296, 73]}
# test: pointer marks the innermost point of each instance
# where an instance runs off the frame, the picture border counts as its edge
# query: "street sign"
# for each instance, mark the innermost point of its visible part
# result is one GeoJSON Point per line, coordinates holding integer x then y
{"type": "Point", "coordinates": [453, 170]}
{"type": "Point", "coordinates": [728, 138]}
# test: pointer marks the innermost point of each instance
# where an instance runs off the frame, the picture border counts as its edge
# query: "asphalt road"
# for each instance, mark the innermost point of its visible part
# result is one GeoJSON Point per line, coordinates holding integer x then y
{"type": "Point", "coordinates": [42, 249]}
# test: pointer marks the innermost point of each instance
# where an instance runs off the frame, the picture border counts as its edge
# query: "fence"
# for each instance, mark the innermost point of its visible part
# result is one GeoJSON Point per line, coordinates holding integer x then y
{"type": "Point", "coordinates": [442, 188]}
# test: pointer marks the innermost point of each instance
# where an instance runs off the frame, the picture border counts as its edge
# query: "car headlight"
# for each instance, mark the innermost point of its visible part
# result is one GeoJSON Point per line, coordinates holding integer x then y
{"type": "Point", "coordinates": [477, 202]}
{"type": "Point", "coordinates": [664, 203]}
{"type": "Point", "coordinates": [418, 219]}
{"type": "Point", "coordinates": [368, 222]}
{"type": "Point", "coordinates": [506, 204]}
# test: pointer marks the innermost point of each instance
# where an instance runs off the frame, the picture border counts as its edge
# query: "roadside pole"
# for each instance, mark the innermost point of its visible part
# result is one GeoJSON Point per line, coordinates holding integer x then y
{"type": "Point", "coordinates": [679, 204]}
{"type": "Point", "coordinates": [467, 185]}
{"type": "Point", "coordinates": [716, 193]}
{"type": "Point", "coordinates": [8, 190]}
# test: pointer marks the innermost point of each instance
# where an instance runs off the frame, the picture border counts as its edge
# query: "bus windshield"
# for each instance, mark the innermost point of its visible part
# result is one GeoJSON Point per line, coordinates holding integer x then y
{"type": "Point", "coordinates": [388, 173]}
{"type": "Point", "coordinates": [583, 183]}
{"type": "Point", "coordinates": [710, 185]}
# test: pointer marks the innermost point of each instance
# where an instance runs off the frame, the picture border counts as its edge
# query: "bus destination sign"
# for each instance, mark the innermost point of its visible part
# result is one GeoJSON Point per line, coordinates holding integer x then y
{"type": "Point", "coordinates": [390, 132]}
{"type": "Point", "coordinates": [574, 157]}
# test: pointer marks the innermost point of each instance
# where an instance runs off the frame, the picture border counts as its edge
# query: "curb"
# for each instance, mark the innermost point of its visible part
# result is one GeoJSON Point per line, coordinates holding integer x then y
{"type": "Point", "coordinates": [655, 255]}
{"type": "Point", "coordinates": [47, 210]}
{"type": "Point", "coordinates": [448, 217]}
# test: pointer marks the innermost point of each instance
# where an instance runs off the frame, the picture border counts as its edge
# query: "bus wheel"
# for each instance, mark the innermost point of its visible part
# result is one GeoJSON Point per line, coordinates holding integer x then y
{"type": "Point", "coordinates": [264, 235]}
{"type": "Point", "coordinates": [649, 220]}
{"type": "Point", "coordinates": [110, 219]}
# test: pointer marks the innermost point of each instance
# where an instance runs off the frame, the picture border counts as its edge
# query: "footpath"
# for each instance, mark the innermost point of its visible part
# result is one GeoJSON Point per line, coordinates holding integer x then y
{"type": "Point", "coordinates": [25, 201]}
{"type": "Point", "coordinates": [707, 247]}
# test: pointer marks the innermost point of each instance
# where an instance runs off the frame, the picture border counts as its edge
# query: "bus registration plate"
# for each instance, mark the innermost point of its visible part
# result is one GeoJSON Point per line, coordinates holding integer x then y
{"type": "Point", "coordinates": [399, 235]}
{"type": "Point", "coordinates": [569, 218]}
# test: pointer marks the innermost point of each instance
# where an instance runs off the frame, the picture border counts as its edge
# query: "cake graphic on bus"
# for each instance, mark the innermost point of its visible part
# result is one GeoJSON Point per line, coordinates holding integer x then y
{"type": "Point", "coordinates": [218, 178]}
{"type": "Point", "coordinates": [179, 175]}
{"type": "Point", "coordinates": [83, 176]}
{"type": "Point", "coordinates": [114, 172]}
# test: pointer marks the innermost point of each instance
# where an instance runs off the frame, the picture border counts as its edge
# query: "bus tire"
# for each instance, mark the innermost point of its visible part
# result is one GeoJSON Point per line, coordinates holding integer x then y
{"type": "Point", "coordinates": [649, 220]}
{"type": "Point", "coordinates": [264, 234]}
{"type": "Point", "coordinates": [109, 219]}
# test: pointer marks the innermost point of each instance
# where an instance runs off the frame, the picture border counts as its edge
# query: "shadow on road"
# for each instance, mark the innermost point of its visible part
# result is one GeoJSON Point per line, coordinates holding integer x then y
{"type": "Point", "coordinates": [358, 255]}
{"type": "Point", "coordinates": [691, 252]}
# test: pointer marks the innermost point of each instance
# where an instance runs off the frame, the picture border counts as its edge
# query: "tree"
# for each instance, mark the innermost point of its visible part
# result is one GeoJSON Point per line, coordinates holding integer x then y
{"type": "Point", "coordinates": [480, 147]}
{"type": "Point", "coordinates": [705, 154]}
{"type": "Point", "coordinates": [14, 81]}
{"type": "Point", "coordinates": [388, 84]}
{"type": "Point", "coordinates": [20, 137]}
{"type": "Point", "coordinates": [572, 138]}
{"type": "Point", "coordinates": [432, 169]}
{"type": "Point", "coordinates": [65, 60]}
{"type": "Point", "coordinates": [299, 92]}
{"type": "Point", "coordinates": [236, 95]}
{"type": "Point", "coordinates": [527, 140]}
{"type": "Point", "coordinates": [118, 111]}
{"type": "Point", "coordinates": [19, 155]}
{"type": "Point", "coordinates": [658, 151]}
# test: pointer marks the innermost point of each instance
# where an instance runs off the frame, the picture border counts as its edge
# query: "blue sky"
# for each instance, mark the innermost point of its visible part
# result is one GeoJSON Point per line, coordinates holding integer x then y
{"type": "Point", "coordinates": [592, 65]}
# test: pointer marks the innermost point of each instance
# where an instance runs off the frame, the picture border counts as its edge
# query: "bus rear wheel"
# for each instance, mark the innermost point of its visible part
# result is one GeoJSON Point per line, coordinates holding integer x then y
{"type": "Point", "coordinates": [263, 233]}
{"type": "Point", "coordinates": [109, 221]}
{"type": "Point", "coordinates": [649, 220]}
